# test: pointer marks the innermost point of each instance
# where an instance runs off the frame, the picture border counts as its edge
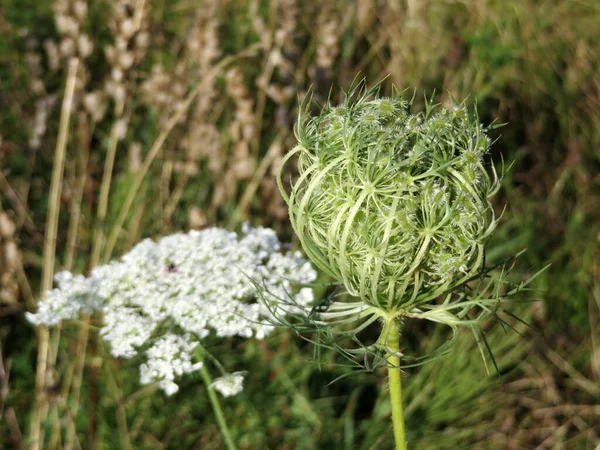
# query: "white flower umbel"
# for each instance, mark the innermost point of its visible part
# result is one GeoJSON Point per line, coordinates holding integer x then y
{"type": "Point", "coordinates": [58, 304]}
{"type": "Point", "coordinates": [230, 384]}
{"type": "Point", "coordinates": [170, 356]}
{"type": "Point", "coordinates": [169, 294]}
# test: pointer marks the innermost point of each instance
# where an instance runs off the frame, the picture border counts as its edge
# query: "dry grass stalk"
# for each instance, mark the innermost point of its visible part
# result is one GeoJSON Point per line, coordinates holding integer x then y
{"type": "Point", "coordinates": [10, 260]}
{"type": "Point", "coordinates": [331, 23]}
{"type": "Point", "coordinates": [165, 92]}
{"type": "Point", "coordinates": [398, 36]}
{"type": "Point", "coordinates": [7, 412]}
{"type": "Point", "coordinates": [131, 40]}
{"type": "Point", "coordinates": [282, 54]}
{"type": "Point", "coordinates": [70, 19]}
{"type": "Point", "coordinates": [197, 218]}
{"type": "Point", "coordinates": [160, 140]}
{"type": "Point", "coordinates": [201, 52]}
{"type": "Point", "coordinates": [280, 82]}
{"type": "Point", "coordinates": [257, 180]}
{"type": "Point", "coordinates": [242, 131]}
{"type": "Point", "coordinates": [328, 39]}
{"type": "Point", "coordinates": [44, 103]}
{"type": "Point", "coordinates": [77, 197]}
{"type": "Point", "coordinates": [41, 410]}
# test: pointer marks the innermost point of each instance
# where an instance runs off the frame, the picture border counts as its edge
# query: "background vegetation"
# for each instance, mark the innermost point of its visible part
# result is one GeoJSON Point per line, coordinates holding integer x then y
{"type": "Point", "coordinates": [181, 111]}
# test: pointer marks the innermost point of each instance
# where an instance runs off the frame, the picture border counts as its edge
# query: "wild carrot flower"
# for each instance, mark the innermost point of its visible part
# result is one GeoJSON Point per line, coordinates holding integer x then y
{"type": "Point", "coordinates": [395, 206]}
{"type": "Point", "coordinates": [162, 298]}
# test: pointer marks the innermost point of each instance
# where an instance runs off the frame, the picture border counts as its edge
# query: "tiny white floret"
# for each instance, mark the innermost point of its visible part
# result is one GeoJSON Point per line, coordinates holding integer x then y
{"type": "Point", "coordinates": [230, 384]}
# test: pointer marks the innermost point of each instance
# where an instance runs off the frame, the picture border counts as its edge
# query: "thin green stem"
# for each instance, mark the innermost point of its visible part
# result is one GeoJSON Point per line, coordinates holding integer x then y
{"type": "Point", "coordinates": [216, 406]}
{"type": "Point", "coordinates": [393, 342]}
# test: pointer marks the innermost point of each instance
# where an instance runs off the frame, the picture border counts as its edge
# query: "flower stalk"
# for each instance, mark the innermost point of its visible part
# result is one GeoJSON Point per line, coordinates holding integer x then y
{"type": "Point", "coordinates": [216, 407]}
{"type": "Point", "coordinates": [395, 382]}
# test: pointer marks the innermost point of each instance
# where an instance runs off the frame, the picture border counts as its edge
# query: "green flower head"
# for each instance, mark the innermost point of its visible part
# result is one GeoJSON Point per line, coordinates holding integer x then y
{"type": "Point", "coordinates": [393, 204]}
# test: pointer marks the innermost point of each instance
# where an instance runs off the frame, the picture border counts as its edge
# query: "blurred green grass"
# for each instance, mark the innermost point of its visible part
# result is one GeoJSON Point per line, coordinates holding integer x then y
{"type": "Point", "coordinates": [533, 64]}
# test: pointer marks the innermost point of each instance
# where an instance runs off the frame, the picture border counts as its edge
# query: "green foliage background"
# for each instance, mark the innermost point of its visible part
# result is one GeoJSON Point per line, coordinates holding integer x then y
{"type": "Point", "coordinates": [533, 64]}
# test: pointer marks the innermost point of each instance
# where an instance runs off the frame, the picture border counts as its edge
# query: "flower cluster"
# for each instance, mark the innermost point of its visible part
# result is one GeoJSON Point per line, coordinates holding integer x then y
{"type": "Point", "coordinates": [230, 384]}
{"type": "Point", "coordinates": [171, 293]}
{"type": "Point", "coordinates": [393, 204]}
{"type": "Point", "coordinates": [169, 356]}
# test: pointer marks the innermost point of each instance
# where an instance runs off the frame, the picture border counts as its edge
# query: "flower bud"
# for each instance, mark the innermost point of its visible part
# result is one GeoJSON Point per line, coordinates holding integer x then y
{"type": "Point", "coordinates": [392, 204]}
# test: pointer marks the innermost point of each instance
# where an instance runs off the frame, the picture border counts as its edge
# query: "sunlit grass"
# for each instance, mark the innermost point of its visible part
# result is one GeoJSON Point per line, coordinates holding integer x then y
{"type": "Point", "coordinates": [187, 164]}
